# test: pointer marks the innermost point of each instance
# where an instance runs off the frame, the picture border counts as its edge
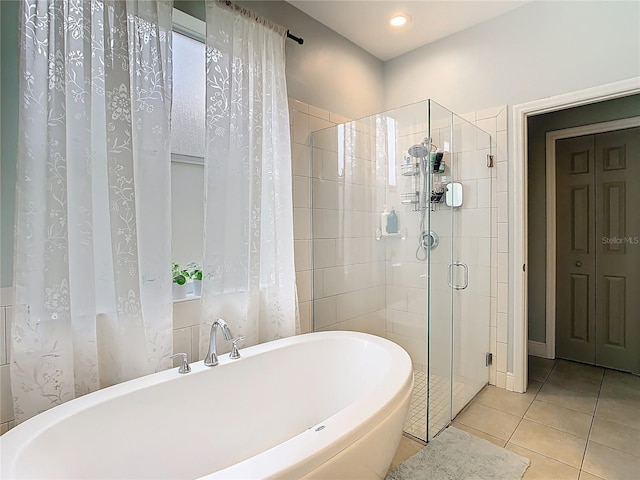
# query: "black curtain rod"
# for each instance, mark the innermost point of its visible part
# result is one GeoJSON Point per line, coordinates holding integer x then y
{"type": "Point", "coordinates": [294, 38]}
{"type": "Point", "coordinates": [290, 35]}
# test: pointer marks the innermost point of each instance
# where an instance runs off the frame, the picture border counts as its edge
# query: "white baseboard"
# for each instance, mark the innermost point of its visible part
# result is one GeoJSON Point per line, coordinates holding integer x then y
{"type": "Point", "coordinates": [537, 349]}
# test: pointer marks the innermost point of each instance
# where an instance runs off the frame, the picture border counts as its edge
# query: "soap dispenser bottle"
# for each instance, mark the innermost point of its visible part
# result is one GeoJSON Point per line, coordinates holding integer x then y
{"type": "Point", "coordinates": [392, 221]}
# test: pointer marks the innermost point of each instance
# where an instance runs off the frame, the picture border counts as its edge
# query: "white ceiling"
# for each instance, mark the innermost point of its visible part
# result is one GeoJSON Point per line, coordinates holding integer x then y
{"type": "Point", "coordinates": [366, 22]}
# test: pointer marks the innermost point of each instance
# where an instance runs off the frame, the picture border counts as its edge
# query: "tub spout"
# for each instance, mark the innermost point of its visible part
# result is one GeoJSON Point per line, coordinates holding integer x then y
{"type": "Point", "coordinates": [211, 360]}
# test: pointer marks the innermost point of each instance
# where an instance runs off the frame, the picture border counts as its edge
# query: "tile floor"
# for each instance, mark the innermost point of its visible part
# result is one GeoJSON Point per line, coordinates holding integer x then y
{"type": "Point", "coordinates": [574, 422]}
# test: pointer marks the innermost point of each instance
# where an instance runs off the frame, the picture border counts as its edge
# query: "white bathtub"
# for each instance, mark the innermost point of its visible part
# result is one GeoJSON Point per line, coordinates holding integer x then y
{"type": "Point", "coordinates": [322, 405]}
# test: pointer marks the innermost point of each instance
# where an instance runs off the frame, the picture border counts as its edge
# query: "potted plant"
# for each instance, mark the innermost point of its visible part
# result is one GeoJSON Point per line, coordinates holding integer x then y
{"type": "Point", "coordinates": [195, 272]}
{"type": "Point", "coordinates": [180, 276]}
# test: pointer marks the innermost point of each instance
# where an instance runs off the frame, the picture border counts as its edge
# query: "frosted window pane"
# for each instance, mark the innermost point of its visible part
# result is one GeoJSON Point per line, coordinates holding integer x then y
{"type": "Point", "coordinates": [187, 124]}
{"type": "Point", "coordinates": [187, 212]}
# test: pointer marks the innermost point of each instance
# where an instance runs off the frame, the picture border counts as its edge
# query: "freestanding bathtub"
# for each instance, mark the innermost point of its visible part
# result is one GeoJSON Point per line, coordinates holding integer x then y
{"type": "Point", "coordinates": [322, 405]}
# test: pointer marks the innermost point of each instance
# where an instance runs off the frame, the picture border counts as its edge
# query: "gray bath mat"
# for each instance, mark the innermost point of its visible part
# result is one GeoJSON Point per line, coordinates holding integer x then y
{"type": "Point", "coordinates": [458, 455]}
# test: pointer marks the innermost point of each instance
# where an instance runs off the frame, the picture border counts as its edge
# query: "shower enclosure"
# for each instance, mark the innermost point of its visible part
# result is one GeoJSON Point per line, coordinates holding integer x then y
{"type": "Point", "coordinates": [401, 221]}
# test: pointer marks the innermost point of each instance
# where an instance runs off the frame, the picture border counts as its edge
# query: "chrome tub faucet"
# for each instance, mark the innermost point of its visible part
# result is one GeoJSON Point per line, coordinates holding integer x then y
{"type": "Point", "coordinates": [211, 360]}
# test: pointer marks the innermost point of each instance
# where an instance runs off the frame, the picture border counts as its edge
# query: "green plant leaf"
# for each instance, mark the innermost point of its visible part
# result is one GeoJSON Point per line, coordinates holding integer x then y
{"type": "Point", "coordinates": [193, 270]}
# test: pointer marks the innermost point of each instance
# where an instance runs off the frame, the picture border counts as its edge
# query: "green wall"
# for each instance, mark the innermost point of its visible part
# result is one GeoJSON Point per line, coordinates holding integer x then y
{"type": "Point", "coordinates": [9, 132]}
{"type": "Point", "coordinates": [538, 126]}
{"type": "Point", "coordinates": [195, 8]}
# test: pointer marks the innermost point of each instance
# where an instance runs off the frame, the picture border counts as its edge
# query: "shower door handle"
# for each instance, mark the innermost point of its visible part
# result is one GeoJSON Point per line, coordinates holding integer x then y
{"type": "Point", "coordinates": [466, 275]}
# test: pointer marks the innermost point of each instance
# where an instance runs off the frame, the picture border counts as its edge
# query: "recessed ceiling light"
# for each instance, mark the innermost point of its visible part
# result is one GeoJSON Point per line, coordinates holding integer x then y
{"type": "Point", "coordinates": [399, 20]}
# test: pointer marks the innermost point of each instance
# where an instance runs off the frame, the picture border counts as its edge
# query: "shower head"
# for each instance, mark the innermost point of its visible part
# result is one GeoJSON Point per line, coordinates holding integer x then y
{"type": "Point", "coordinates": [418, 150]}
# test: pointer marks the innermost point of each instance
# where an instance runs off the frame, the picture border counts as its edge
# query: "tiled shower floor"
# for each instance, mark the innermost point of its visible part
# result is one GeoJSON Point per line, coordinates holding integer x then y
{"type": "Point", "coordinates": [416, 423]}
{"type": "Point", "coordinates": [439, 406]}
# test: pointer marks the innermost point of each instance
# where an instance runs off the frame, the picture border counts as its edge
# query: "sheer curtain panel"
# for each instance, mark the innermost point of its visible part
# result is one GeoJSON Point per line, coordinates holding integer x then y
{"type": "Point", "coordinates": [248, 254]}
{"type": "Point", "coordinates": [92, 266]}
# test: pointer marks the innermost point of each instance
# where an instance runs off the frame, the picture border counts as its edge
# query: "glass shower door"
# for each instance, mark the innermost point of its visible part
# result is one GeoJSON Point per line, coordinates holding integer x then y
{"type": "Point", "coordinates": [440, 257]}
{"type": "Point", "coordinates": [470, 270]}
{"type": "Point", "coordinates": [460, 266]}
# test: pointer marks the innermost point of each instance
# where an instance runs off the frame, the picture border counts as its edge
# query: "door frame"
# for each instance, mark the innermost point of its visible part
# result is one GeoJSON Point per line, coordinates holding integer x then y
{"type": "Point", "coordinates": [518, 221]}
{"type": "Point", "coordinates": [550, 337]}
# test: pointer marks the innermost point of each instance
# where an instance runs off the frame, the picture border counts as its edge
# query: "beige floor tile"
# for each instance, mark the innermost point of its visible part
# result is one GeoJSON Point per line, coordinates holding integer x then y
{"type": "Point", "coordinates": [544, 468]}
{"type": "Point", "coordinates": [581, 402]}
{"type": "Point", "coordinates": [579, 369]}
{"type": "Point", "coordinates": [489, 420]}
{"type": "Point", "coordinates": [495, 440]}
{"type": "Point", "coordinates": [612, 378]}
{"type": "Point", "coordinates": [615, 435]}
{"type": "Point", "coordinates": [618, 387]}
{"type": "Point", "coordinates": [503, 400]}
{"type": "Point", "coordinates": [560, 418]}
{"type": "Point", "coordinates": [562, 446]}
{"type": "Point", "coordinates": [588, 476]}
{"type": "Point", "coordinates": [576, 383]}
{"type": "Point", "coordinates": [619, 410]}
{"type": "Point", "coordinates": [407, 448]}
{"type": "Point", "coordinates": [609, 463]}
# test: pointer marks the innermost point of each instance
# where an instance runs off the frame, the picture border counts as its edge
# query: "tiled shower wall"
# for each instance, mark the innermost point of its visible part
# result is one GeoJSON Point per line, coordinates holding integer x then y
{"type": "Point", "coordinates": [322, 175]}
{"type": "Point", "coordinates": [494, 122]}
{"type": "Point", "coordinates": [349, 277]}
{"type": "Point", "coordinates": [341, 266]}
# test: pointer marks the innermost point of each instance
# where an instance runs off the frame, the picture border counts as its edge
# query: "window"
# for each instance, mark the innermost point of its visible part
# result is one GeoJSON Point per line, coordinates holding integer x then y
{"type": "Point", "coordinates": [187, 129]}
{"type": "Point", "coordinates": [188, 139]}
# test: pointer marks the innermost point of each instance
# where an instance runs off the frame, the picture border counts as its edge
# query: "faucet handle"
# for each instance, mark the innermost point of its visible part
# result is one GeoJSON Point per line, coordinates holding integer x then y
{"type": "Point", "coordinates": [184, 368]}
{"type": "Point", "coordinates": [234, 348]}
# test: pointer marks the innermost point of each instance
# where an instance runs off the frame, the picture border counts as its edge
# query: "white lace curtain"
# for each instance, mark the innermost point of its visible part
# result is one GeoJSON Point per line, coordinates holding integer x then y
{"type": "Point", "coordinates": [92, 269]}
{"type": "Point", "coordinates": [248, 252]}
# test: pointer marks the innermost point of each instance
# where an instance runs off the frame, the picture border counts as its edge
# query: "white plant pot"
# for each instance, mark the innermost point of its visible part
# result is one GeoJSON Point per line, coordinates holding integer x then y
{"type": "Point", "coordinates": [197, 288]}
{"type": "Point", "coordinates": [179, 291]}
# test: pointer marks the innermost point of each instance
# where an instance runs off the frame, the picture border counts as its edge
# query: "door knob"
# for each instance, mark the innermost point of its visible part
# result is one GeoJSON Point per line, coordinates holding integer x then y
{"type": "Point", "coordinates": [578, 263]}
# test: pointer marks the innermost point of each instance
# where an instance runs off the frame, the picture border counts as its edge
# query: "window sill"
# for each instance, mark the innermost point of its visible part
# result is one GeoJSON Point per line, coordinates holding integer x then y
{"type": "Point", "coordinates": [189, 298]}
